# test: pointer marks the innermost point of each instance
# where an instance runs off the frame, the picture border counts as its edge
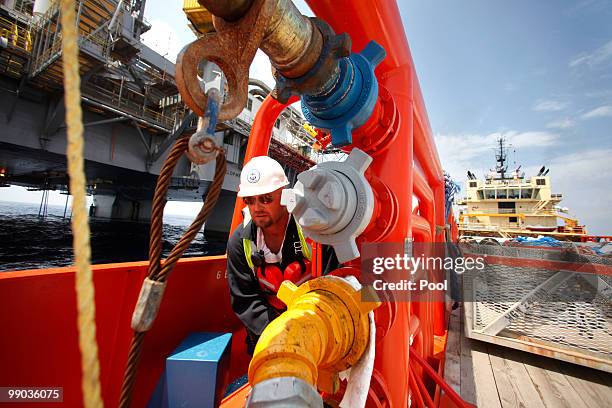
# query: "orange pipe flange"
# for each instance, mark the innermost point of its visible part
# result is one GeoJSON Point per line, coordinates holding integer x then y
{"type": "Point", "coordinates": [385, 215]}
{"type": "Point", "coordinates": [381, 129]}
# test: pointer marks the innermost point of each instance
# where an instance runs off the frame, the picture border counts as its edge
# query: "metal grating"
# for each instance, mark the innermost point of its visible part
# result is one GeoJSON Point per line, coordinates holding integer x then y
{"type": "Point", "coordinates": [543, 310]}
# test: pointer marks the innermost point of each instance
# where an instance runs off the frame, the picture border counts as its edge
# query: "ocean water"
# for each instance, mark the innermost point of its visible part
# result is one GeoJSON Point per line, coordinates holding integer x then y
{"type": "Point", "coordinates": [28, 242]}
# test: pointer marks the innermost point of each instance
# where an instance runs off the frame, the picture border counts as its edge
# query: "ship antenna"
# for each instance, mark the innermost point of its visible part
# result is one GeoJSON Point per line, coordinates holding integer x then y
{"type": "Point", "coordinates": [501, 157]}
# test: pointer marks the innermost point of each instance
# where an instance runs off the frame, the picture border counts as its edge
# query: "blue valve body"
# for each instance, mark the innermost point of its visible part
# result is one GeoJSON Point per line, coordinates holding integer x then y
{"type": "Point", "coordinates": [351, 101]}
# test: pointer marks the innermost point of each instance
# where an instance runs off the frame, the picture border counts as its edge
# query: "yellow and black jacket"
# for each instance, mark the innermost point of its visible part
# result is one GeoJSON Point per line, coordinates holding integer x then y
{"type": "Point", "coordinates": [249, 301]}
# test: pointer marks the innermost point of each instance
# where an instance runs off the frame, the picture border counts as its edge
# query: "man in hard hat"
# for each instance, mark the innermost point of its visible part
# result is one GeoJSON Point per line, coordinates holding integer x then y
{"type": "Point", "coordinates": [266, 249]}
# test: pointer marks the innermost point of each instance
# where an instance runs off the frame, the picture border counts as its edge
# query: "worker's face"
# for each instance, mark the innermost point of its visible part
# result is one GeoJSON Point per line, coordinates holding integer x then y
{"type": "Point", "coordinates": [266, 209]}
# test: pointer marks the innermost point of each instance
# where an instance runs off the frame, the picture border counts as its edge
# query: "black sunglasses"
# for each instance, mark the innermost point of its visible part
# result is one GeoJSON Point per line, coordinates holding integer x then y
{"type": "Point", "coordinates": [263, 199]}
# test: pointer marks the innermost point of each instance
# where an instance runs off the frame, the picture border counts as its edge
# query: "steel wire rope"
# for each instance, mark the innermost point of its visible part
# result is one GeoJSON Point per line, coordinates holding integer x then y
{"type": "Point", "coordinates": [86, 308]}
{"type": "Point", "coordinates": [158, 271]}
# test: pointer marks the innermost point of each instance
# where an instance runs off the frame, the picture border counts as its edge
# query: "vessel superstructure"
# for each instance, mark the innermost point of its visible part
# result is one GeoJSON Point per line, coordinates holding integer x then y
{"type": "Point", "coordinates": [507, 204]}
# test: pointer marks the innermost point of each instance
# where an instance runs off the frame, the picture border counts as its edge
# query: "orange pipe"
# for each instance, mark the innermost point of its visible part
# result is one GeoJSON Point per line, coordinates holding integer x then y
{"type": "Point", "coordinates": [421, 228]}
{"type": "Point", "coordinates": [421, 188]}
{"type": "Point", "coordinates": [424, 394]}
{"type": "Point", "coordinates": [424, 154]}
{"type": "Point", "coordinates": [454, 228]}
{"type": "Point", "coordinates": [438, 304]}
{"type": "Point", "coordinates": [422, 232]}
{"type": "Point", "coordinates": [426, 199]}
{"type": "Point", "coordinates": [393, 166]}
{"type": "Point", "coordinates": [440, 221]}
{"type": "Point", "coordinates": [425, 151]}
{"type": "Point", "coordinates": [370, 127]}
{"type": "Point", "coordinates": [259, 139]}
{"type": "Point", "coordinates": [415, 390]}
{"type": "Point", "coordinates": [451, 393]}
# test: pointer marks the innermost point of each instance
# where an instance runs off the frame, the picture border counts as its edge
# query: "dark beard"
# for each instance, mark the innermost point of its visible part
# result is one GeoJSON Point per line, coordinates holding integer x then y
{"type": "Point", "coordinates": [265, 223]}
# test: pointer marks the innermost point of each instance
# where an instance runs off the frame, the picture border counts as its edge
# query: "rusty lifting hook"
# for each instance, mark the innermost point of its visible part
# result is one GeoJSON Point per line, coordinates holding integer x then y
{"type": "Point", "coordinates": [232, 48]}
{"type": "Point", "coordinates": [294, 43]}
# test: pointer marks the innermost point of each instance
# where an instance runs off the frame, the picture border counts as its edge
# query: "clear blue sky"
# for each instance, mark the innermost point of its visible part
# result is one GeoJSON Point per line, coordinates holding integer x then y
{"type": "Point", "coordinates": [536, 71]}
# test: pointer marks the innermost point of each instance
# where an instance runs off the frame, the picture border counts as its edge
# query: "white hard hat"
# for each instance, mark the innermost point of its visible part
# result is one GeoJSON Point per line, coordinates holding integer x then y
{"type": "Point", "coordinates": [261, 175]}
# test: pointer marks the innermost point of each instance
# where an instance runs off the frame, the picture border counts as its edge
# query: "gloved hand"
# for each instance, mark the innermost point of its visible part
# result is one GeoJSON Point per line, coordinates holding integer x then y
{"type": "Point", "coordinates": [297, 274]}
{"type": "Point", "coordinates": [274, 276]}
{"type": "Point", "coordinates": [271, 277]}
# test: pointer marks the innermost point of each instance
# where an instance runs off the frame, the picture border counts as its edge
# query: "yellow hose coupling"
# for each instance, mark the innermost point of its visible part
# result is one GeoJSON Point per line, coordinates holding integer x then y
{"type": "Point", "coordinates": [325, 330]}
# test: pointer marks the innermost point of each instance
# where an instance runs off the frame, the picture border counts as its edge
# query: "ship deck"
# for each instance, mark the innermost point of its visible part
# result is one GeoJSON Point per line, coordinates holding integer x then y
{"type": "Point", "coordinates": [491, 376]}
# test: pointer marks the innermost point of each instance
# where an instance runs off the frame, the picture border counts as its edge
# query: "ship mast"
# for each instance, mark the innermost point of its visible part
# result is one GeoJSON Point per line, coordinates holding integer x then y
{"type": "Point", "coordinates": [500, 157]}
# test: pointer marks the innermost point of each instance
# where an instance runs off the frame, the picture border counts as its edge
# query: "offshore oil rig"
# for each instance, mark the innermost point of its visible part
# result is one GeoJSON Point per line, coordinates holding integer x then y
{"type": "Point", "coordinates": [134, 111]}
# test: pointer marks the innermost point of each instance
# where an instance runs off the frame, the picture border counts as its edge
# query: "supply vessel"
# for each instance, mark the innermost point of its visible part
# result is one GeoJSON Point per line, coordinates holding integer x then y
{"type": "Point", "coordinates": [507, 204]}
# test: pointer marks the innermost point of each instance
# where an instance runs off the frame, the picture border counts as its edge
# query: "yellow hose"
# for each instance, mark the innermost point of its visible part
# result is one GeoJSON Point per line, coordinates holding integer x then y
{"type": "Point", "coordinates": [90, 365]}
{"type": "Point", "coordinates": [324, 331]}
